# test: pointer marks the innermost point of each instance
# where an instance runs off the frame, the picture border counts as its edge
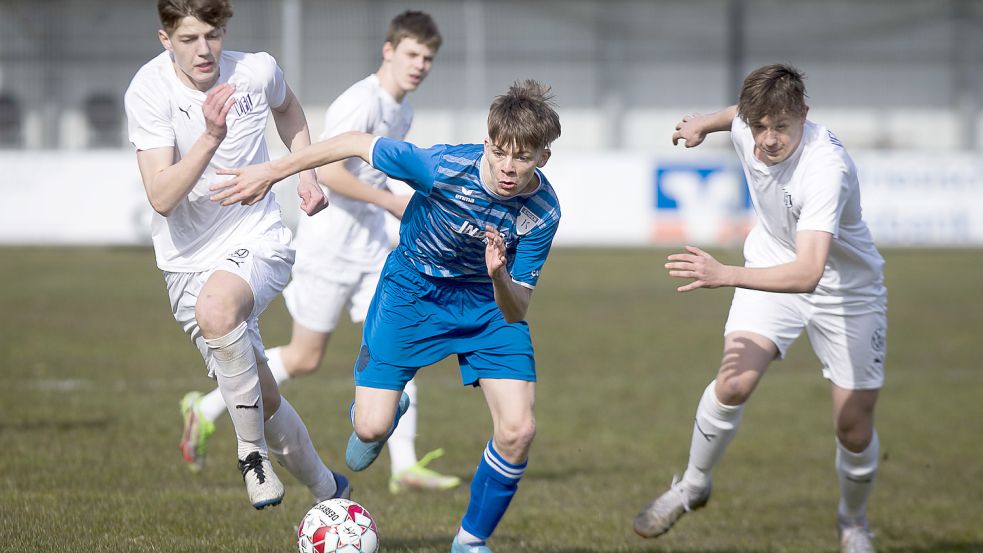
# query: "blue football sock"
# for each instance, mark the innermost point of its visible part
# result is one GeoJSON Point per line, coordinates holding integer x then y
{"type": "Point", "coordinates": [494, 483]}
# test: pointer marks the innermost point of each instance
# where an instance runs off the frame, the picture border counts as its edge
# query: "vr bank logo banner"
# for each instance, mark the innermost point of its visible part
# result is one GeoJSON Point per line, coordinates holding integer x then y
{"type": "Point", "coordinates": [701, 204]}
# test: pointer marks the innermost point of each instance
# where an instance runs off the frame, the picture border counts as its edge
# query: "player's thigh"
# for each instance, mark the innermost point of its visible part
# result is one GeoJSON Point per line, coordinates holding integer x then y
{"type": "Point", "coordinates": [305, 351]}
{"type": "Point", "coordinates": [225, 300]}
{"type": "Point", "coordinates": [375, 409]}
{"type": "Point", "coordinates": [780, 318]}
{"type": "Point", "coordinates": [850, 340]}
{"type": "Point", "coordinates": [512, 407]}
{"type": "Point", "coordinates": [511, 402]}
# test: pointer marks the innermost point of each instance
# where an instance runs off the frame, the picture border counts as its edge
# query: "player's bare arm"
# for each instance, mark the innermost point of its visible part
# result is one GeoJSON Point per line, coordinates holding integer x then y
{"type": "Point", "coordinates": [166, 181]}
{"type": "Point", "coordinates": [512, 299]}
{"type": "Point", "coordinates": [343, 146]}
{"type": "Point", "coordinates": [340, 180]}
{"type": "Point", "coordinates": [799, 276]}
{"type": "Point", "coordinates": [695, 127]}
{"type": "Point", "coordinates": [291, 124]}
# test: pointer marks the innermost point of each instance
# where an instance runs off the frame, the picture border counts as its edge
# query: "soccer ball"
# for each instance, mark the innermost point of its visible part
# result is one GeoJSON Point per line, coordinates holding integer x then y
{"type": "Point", "coordinates": [337, 526]}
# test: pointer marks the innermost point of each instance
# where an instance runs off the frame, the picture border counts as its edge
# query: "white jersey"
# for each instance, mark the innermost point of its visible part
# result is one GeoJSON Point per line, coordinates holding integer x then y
{"type": "Point", "coordinates": [351, 232]}
{"type": "Point", "coordinates": [816, 188]}
{"type": "Point", "coordinates": [163, 112]}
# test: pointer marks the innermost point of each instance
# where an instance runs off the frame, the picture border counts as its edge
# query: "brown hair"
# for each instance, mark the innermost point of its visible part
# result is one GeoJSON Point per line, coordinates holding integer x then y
{"type": "Point", "coordinates": [772, 90]}
{"type": "Point", "coordinates": [417, 25]}
{"type": "Point", "coordinates": [214, 12]}
{"type": "Point", "coordinates": [524, 117]}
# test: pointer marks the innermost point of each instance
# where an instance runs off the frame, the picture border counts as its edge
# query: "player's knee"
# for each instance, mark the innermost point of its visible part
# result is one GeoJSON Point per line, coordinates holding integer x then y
{"type": "Point", "coordinates": [731, 389]}
{"type": "Point", "coordinates": [514, 440]}
{"type": "Point", "coordinates": [854, 435]}
{"type": "Point", "coordinates": [215, 316]}
{"type": "Point", "coordinates": [305, 363]}
{"type": "Point", "coordinates": [372, 428]}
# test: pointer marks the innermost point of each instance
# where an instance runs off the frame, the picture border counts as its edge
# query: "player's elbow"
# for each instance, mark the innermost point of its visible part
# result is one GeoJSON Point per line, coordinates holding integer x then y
{"type": "Point", "coordinates": [162, 207]}
{"type": "Point", "coordinates": [810, 281]}
{"type": "Point", "coordinates": [514, 317]}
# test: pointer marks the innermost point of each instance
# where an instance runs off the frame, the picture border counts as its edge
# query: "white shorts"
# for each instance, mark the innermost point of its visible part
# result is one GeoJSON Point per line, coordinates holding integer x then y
{"type": "Point", "coordinates": [263, 262]}
{"type": "Point", "coordinates": [849, 338]}
{"type": "Point", "coordinates": [315, 298]}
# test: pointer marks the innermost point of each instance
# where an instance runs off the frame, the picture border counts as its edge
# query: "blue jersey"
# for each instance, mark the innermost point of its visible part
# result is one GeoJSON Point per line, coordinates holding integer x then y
{"type": "Point", "coordinates": [443, 228]}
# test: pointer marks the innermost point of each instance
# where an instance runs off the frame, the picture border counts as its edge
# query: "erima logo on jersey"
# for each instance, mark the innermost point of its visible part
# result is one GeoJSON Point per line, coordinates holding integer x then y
{"type": "Point", "coordinates": [464, 198]}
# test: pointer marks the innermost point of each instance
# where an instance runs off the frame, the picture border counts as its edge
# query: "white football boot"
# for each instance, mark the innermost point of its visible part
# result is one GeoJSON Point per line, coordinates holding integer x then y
{"type": "Point", "coordinates": [659, 516]}
{"type": "Point", "coordinates": [855, 538]}
{"type": "Point", "coordinates": [262, 484]}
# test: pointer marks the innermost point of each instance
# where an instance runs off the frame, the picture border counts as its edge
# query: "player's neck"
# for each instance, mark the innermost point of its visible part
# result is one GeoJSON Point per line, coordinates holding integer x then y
{"type": "Point", "coordinates": [184, 79]}
{"type": "Point", "coordinates": [388, 83]}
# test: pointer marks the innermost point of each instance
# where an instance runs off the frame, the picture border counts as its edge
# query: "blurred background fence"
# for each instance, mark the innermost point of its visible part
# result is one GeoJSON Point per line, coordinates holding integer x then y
{"type": "Point", "coordinates": [899, 81]}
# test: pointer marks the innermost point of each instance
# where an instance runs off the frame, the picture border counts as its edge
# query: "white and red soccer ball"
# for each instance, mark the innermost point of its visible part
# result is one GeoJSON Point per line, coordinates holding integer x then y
{"type": "Point", "coordinates": [337, 526]}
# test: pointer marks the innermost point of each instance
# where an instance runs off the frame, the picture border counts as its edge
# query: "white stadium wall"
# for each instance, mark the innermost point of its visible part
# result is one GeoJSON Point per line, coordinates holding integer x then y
{"type": "Point", "coordinates": [613, 199]}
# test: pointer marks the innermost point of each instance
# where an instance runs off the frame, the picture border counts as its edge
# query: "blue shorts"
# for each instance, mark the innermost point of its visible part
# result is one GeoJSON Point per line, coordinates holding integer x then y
{"type": "Point", "coordinates": [415, 320]}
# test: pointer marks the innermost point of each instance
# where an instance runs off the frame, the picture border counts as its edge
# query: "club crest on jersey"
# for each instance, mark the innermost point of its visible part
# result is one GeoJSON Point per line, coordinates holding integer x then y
{"type": "Point", "coordinates": [526, 221]}
{"type": "Point", "coordinates": [788, 199]}
{"type": "Point", "coordinates": [243, 105]}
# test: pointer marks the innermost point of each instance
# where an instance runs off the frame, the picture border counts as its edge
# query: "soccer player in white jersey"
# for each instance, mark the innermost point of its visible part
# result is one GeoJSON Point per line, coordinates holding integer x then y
{"type": "Point", "coordinates": [340, 253]}
{"type": "Point", "coordinates": [472, 244]}
{"type": "Point", "coordinates": [810, 264]}
{"type": "Point", "coordinates": [192, 111]}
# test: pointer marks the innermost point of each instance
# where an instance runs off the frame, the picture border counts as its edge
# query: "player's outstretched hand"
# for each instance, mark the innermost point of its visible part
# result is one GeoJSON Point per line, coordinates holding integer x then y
{"type": "Point", "coordinates": [312, 198]}
{"type": "Point", "coordinates": [698, 265]}
{"type": "Point", "coordinates": [690, 129]}
{"type": "Point", "coordinates": [248, 186]}
{"type": "Point", "coordinates": [495, 257]}
{"type": "Point", "coordinates": [216, 107]}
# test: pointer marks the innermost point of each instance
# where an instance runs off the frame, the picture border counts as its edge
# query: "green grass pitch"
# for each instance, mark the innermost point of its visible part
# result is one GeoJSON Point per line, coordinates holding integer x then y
{"type": "Point", "coordinates": [92, 367]}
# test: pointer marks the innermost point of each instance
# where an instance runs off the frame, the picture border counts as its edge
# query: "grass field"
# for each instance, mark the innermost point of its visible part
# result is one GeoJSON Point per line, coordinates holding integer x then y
{"type": "Point", "coordinates": [92, 367]}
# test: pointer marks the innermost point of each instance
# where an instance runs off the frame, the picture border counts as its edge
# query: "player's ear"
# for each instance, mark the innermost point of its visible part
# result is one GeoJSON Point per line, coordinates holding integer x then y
{"type": "Point", "coordinates": [388, 49]}
{"type": "Point", "coordinates": [544, 157]}
{"type": "Point", "coordinates": [165, 40]}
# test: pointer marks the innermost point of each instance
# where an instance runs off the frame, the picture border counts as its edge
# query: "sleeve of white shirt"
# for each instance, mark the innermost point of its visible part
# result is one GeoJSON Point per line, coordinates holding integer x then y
{"type": "Point", "coordinates": [148, 118]}
{"type": "Point", "coordinates": [276, 86]}
{"type": "Point", "coordinates": [825, 194]}
{"type": "Point", "coordinates": [347, 113]}
{"type": "Point", "coordinates": [740, 136]}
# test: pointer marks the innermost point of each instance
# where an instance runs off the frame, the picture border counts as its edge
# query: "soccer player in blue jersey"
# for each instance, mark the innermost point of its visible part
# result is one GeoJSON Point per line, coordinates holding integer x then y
{"type": "Point", "coordinates": [473, 241]}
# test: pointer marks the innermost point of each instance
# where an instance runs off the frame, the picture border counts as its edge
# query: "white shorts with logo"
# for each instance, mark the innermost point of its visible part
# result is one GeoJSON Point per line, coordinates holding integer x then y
{"type": "Point", "coordinates": [263, 262]}
{"type": "Point", "coordinates": [316, 298]}
{"type": "Point", "coordinates": [849, 338]}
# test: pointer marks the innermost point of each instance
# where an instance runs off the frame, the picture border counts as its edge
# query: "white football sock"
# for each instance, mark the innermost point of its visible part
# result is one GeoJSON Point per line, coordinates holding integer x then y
{"type": "Point", "coordinates": [466, 538]}
{"type": "Point", "coordinates": [290, 443]}
{"type": "Point", "coordinates": [276, 365]}
{"type": "Point", "coordinates": [234, 361]}
{"type": "Point", "coordinates": [856, 473]}
{"type": "Point", "coordinates": [402, 449]}
{"type": "Point", "coordinates": [715, 426]}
